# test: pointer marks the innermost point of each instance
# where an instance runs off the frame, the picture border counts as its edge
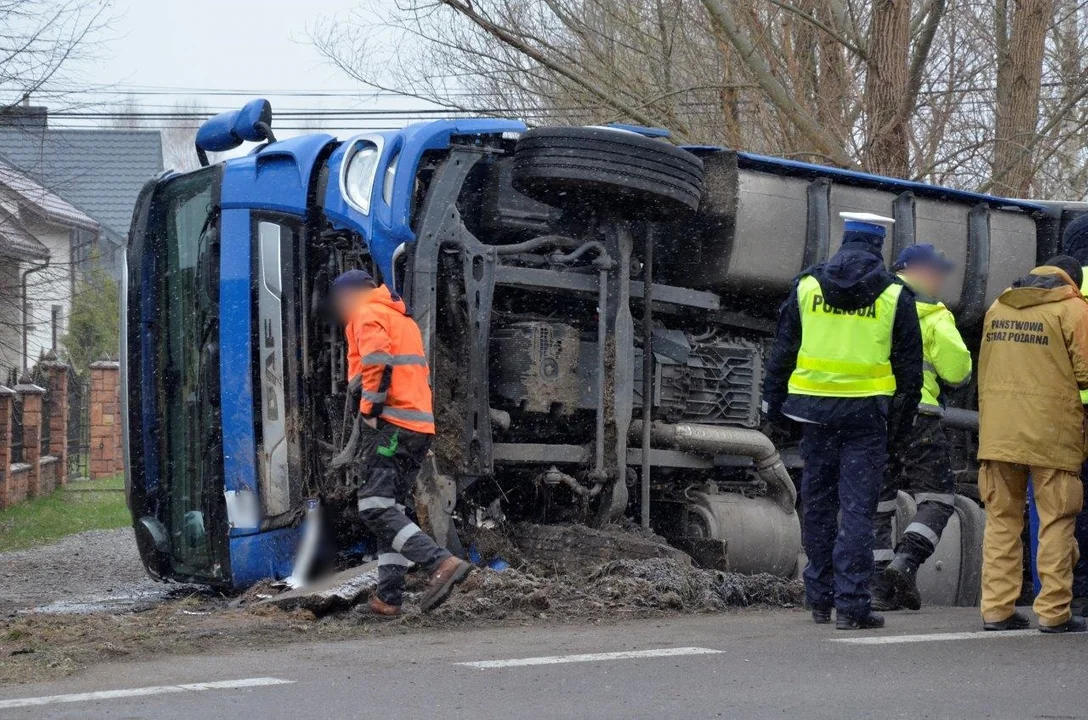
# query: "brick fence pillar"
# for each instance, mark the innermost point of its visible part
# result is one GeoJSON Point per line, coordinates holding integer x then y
{"type": "Point", "coordinates": [106, 457]}
{"type": "Point", "coordinates": [9, 494]}
{"type": "Point", "coordinates": [31, 396]}
{"type": "Point", "coordinates": [56, 378]}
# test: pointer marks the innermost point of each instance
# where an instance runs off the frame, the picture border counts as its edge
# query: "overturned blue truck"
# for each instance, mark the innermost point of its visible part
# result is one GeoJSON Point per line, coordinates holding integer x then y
{"type": "Point", "coordinates": [595, 303]}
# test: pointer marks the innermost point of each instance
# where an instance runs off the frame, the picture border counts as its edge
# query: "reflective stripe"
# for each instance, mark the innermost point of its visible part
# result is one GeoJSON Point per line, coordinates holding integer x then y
{"type": "Point", "coordinates": [844, 367]}
{"type": "Point", "coordinates": [940, 498]}
{"type": "Point", "coordinates": [376, 503]}
{"type": "Point", "coordinates": [882, 555]}
{"type": "Point", "coordinates": [406, 532]}
{"type": "Point", "coordinates": [919, 529]}
{"type": "Point", "coordinates": [394, 559]}
{"type": "Point", "coordinates": [927, 409]}
{"type": "Point", "coordinates": [962, 383]}
{"type": "Point", "coordinates": [387, 359]}
{"type": "Point", "coordinates": [374, 397]}
{"type": "Point", "coordinates": [886, 506]}
{"type": "Point", "coordinates": [928, 367]}
{"type": "Point", "coordinates": [875, 385]}
{"type": "Point", "coordinates": [412, 415]}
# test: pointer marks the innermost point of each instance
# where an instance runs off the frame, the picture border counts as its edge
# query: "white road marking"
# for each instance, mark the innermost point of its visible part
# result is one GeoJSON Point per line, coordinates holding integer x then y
{"type": "Point", "coordinates": [934, 637]}
{"type": "Point", "coordinates": [591, 657]}
{"type": "Point", "coordinates": [139, 692]}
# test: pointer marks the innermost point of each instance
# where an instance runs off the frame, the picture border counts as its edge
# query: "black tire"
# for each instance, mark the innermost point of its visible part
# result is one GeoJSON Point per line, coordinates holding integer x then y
{"type": "Point", "coordinates": [972, 529]}
{"type": "Point", "coordinates": [600, 167]}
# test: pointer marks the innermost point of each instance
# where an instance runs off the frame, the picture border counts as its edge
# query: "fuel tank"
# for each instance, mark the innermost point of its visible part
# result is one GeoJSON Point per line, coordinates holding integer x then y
{"type": "Point", "coordinates": [763, 220]}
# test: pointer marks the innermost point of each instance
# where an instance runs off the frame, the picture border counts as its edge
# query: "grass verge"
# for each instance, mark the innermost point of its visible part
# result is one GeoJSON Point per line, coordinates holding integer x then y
{"type": "Point", "coordinates": [78, 506]}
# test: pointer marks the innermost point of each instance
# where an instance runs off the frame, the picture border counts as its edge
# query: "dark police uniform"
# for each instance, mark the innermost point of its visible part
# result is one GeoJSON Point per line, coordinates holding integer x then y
{"type": "Point", "coordinates": [847, 359]}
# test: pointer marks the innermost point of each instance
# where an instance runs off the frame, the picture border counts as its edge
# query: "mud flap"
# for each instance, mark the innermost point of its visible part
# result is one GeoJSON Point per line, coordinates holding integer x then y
{"type": "Point", "coordinates": [436, 498]}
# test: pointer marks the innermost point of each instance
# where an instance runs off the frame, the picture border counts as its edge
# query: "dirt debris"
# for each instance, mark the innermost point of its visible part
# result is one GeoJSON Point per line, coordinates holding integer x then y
{"type": "Point", "coordinates": [577, 547]}
{"type": "Point", "coordinates": [186, 620]}
{"type": "Point", "coordinates": [618, 589]}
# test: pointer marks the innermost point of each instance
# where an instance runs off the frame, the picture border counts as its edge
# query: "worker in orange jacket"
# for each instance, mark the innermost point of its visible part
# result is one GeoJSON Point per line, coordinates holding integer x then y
{"type": "Point", "coordinates": [386, 359]}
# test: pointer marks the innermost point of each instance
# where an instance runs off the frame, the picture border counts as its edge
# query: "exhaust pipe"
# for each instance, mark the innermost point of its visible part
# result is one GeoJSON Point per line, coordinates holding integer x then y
{"type": "Point", "coordinates": [715, 440]}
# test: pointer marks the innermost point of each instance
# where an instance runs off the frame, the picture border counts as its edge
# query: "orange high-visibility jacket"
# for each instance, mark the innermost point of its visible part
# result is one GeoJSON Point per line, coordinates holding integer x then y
{"type": "Point", "coordinates": [396, 381]}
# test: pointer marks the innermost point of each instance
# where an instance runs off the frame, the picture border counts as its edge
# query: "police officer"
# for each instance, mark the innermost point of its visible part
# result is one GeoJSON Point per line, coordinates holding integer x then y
{"type": "Point", "coordinates": [847, 357]}
{"type": "Point", "coordinates": [920, 461]}
{"type": "Point", "coordinates": [386, 360]}
{"type": "Point", "coordinates": [1075, 243]}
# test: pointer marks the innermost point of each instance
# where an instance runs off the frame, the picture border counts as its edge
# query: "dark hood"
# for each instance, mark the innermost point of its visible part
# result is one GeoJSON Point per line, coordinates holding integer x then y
{"type": "Point", "coordinates": [1075, 240]}
{"type": "Point", "coordinates": [854, 277]}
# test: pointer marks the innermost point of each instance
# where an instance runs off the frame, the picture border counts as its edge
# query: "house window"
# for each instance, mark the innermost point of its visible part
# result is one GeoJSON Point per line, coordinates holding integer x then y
{"type": "Point", "coordinates": [54, 323]}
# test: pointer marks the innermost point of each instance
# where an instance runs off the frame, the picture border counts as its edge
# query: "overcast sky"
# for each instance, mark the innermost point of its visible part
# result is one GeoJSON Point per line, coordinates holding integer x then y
{"type": "Point", "coordinates": [258, 47]}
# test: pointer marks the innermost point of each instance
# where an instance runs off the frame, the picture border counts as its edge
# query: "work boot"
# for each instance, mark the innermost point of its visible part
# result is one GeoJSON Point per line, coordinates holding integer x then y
{"type": "Point", "coordinates": [1016, 621]}
{"type": "Point", "coordinates": [452, 571]}
{"type": "Point", "coordinates": [883, 591]}
{"type": "Point", "coordinates": [903, 572]}
{"type": "Point", "coordinates": [1072, 625]}
{"type": "Point", "coordinates": [872, 621]}
{"type": "Point", "coordinates": [821, 616]}
{"type": "Point", "coordinates": [379, 607]}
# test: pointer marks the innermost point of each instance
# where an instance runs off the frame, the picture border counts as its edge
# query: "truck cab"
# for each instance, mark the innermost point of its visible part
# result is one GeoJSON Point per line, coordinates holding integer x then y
{"type": "Point", "coordinates": [595, 304]}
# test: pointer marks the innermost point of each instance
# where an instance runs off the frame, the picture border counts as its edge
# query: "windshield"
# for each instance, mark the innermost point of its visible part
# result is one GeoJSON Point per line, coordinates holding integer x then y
{"type": "Point", "coordinates": [183, 358]}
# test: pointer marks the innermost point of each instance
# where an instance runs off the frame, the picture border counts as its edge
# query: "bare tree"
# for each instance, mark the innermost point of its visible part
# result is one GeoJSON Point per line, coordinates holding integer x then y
{"type": "Point", "coordinates": [1020, 28]}
{"type": "Point", "coordinates": [39, 39]}
{"type": "Point", "coordinates": [179, 136]}
{"type": "Point", "coordinates": [981, 94]}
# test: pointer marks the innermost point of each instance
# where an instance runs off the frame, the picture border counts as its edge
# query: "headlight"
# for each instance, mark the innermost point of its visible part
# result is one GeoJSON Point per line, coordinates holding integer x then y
{"type": "Point", "coordinates": [358, 173]}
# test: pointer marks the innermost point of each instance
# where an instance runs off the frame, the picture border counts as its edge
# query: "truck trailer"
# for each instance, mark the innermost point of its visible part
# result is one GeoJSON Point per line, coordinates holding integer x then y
{"type": "Point", "coordinates": [595, 302]}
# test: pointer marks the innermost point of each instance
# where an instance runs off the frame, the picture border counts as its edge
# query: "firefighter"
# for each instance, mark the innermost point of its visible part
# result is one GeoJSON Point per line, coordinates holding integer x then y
{"type": "Point", "coordinates": [1075, 243]}
{"type": "Point", "coordinates": [386, 361]}
{"type": "Point", "coordinates": [1032, 364]}
{"type": "Point", "coordinates": [920, 462]}
{"type": "Point", "coordinates": [847, 360]}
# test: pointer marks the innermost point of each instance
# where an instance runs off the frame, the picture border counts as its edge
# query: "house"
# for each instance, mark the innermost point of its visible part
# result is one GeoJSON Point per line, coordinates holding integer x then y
{"type": "Point", "coordinates": [100, 172]}
{"type": "Point", "coordinates": [37, 275]}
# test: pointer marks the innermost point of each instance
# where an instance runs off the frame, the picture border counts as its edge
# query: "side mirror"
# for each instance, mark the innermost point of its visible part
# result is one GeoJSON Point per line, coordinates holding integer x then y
{"type": "Point", "coordinates": [228, 130]}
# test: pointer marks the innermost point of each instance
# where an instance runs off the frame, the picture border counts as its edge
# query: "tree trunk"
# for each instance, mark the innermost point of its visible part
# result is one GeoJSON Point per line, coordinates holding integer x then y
{"type": "Point", "coordinates": [886, 84]}
{"type": "Point", "coordinates": [1020, 46]}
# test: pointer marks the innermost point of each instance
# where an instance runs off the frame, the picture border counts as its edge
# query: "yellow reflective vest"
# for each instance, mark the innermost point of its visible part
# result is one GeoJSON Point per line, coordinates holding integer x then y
{"type": "Point", "coordinates": [945, 356]}
{"type": "Point", "coordinates": [844, 353]}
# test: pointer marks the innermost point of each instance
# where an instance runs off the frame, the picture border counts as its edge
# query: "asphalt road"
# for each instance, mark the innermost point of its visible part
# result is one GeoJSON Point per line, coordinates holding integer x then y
{"type": "Point", "coordinates": [744, 665]}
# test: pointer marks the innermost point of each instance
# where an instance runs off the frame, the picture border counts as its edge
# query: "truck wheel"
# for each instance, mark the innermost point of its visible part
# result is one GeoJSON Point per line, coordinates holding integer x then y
{"type": "Point", "coordinates": [610, 168]}
{"type": "Point", "coordinates": [972, 527]}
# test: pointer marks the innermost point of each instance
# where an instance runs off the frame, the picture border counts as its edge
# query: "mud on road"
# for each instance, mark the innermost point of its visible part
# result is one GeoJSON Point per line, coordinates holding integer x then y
{"type": "Point", "coordinates": [37, 645]}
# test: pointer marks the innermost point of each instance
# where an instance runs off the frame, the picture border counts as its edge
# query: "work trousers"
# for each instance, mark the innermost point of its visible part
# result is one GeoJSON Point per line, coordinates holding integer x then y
{"type": "Point", "coordinates": [1059, 496]}
{"type": "Point", "coordinates": [918, 463]}
{"type": "Point", "coordinates": [844, 470]}
{"type": "Point", "coordinates": [388, 466]}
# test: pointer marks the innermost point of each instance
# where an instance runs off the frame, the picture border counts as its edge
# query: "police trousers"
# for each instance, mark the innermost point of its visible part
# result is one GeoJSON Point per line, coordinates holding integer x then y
{"type": "Point", "coordinates": [1059, 496]}
{"type": "Point", "coordinates": [919, 463]}
{"type": "Point", "coordinates": [387, 471]}
{"type": "Point", "coordinates": [844, 471]}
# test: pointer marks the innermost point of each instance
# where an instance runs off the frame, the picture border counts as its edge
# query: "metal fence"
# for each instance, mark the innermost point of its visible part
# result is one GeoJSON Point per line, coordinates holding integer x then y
{"type": "Point", "coordinates": [17, 430]}
{"type": "Point", "coordinates": [79, 425]}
